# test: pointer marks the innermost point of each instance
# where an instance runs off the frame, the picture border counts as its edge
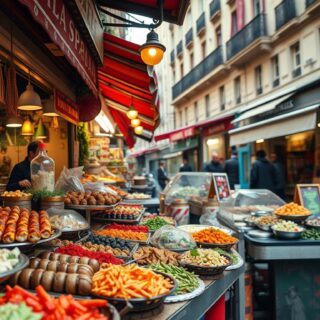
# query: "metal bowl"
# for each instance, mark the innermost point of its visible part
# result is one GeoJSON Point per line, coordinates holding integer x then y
{"type": "Point", "coordinates": [309, 224]}
{"type": "Point", "coordinates": [260, 213]}
{"type": "Point", "coordinates": [288, 234]}
{"type": "Point", "coordinates": [264, 227]}
{"type": "Point", "coordinates": [293, 217]}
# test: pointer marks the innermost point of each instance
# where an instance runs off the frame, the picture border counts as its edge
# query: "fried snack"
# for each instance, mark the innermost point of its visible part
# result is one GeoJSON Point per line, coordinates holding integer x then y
{"type": "Point", "coordinates": [212, 235]}
{"type": "Point", "coordinates": [292, 209]}
{"type": "Point", "coordinates": [123, 234]}
{"type": "Point", "coordinates": [150, 255]}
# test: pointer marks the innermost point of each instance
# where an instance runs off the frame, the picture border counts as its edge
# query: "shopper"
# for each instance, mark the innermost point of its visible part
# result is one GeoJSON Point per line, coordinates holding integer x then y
{"type": "Point", "coordinates": [278, 164]}
{"type": "Point", "coordinates": [263, 174]}
{"type": "Point", "coordinates": [162, 175]}
{"type": "Point", "coordinates": [231, 168]}
{"type": "Point", "coordinates": [214, 165]}
{"type": "Point", "coordinates": [185, 167]}
{"type": "Point", "coordinates": [20, 178]}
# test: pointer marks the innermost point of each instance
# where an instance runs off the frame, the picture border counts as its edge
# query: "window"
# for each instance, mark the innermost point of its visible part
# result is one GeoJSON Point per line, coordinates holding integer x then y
{"type": "Point", "coordinates": [180, 118]}
{"type": "Point", "coordinates": [296, 60]}
{"type": "Point", "coordinates": [196, 114]}
{"type": "Point", "coordinates": [275, 71]}
{"type": "Point", "coordinates": [234, 23]}
{"type": "Point", "coordinates": [237, 90]}
{"type": "Point", "coordinates": [181, 69]}
{"type": "Point", "coordinates": [207, 98]}
{"type": "Point", "coordinates": [218, 36]}
{"type": "Point", "coordinates": [191, 60]}
{"type": "Point", "coordinates": [201, 5]}
{"type": "Point", "coordinates": [258, 79]}
{"type": "Point", "coordinates": [257, 8]}
{"type": "Point", "coordinates": [189, 19]}
{"type": "Point", "coordinates": [186, 116]}
{"type": "Point", "coordinates": [203, 49]}
{"type": "Point", "coordinates": [222, 98]}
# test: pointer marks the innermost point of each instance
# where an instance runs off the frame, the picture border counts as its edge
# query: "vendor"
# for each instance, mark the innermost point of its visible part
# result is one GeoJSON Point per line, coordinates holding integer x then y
{"type": "Point", "coordinates": [20, 178]}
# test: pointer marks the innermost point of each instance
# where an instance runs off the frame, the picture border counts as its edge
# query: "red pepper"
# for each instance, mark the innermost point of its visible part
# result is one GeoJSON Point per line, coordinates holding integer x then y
{"type": "Point", "coordinates": [34, 304]}
{"type": "Point", "coordinates": [77, 306]}
{"type": "Point", "coordinates": [42, 294]}
{"type": "Point", "coordinates": [64, 302]}
{"type": "Point", "coordinates": [24, 293]}
{"type": "Point", "coordinates": [97, 303]}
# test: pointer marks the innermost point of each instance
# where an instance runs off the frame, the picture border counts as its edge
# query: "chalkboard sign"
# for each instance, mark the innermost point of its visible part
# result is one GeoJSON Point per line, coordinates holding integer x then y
{"type": "Point", "coordinates": [221, 185]}
{"type": "Point", "coordinates": [308, 195]}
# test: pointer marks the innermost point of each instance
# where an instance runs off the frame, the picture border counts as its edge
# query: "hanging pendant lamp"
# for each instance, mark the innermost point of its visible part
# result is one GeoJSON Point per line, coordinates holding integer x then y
{"type": "Point", "coordinates": [27, 128]}
{"type": "Point", "coordinates": [55, 123]}
{"type": "Point", "coordinates": [132, 113]}
{"type": "Point", "coordinates": [49, 109]}
{"type": "Point", "coordinates": [29, 100]}
{"type": "Point", "coordinates": [152, 51]}
{"type": "Point", "coordinates": [40, 131]}
{"type": "Point", "coordinates": [138, 130]}
{"type": "Point", "coordinates": [14, 122]}
{"type": "Point", "coordinates": [135, 122]}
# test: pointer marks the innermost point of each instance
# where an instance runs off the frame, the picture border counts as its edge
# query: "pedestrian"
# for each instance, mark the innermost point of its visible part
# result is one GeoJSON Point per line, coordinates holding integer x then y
{"type": "Point", "coordinates": [280, 188]}
{"type": "Point", "coordinates": [20, 178]}
{"type": "Point", "coordinates": [263, 174]}
{"type": "Point", "coordinates": [185, 167]}
{"type": "Point", "coordinates": [162, 175]}
{"type": "Point", "coordinates": [214, 165]}
{"type": "Point", "coordinates": [231, 168]}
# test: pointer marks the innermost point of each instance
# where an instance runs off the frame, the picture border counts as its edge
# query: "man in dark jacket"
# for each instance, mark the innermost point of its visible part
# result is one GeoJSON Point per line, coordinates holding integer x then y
{"type": "Point", "coordinates": [263, 174]}
{"type": "Point", "coordinates": [185, 167]}
{"type": "Point", "coordinates": [231, 168]}
{"type": "Point", "coordinates": [162, 175]}
{"type": "Point", "coordinates": [214, 165]}
{"type": "Point", "coordinates": [20, 178]}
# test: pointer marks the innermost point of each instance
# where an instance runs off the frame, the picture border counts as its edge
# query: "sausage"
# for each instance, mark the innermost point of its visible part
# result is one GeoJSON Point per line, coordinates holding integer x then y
{"type": "Point", "coordinates": [47, 280]}
{"type": "Point", "coordinates": [59, 282]}
{"type": "Point", "coordinates": [71, 283]}
{"type": "Point", "coordinates": [34, 263]}
{"type": "Point", "coordinates": [25, 277]}
{"type": "Point", "coordinates": [36, 278]}
{"type": "Point", "coordinates": [53, 266]}
{"type": "Point", "coordinates": [63, 267]}
{"type": "Point", "coordinates": [94, 264]}
{"type": "Point", "coordinates": [43, 264]}
{"type": "Point", "coordinates": [85, 284]}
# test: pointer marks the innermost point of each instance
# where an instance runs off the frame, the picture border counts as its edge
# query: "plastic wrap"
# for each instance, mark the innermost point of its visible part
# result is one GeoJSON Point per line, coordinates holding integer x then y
{"type": "Point", "coordinates": [67, 220]}
{"type": "Point", "coordinates": [171, 238]}
{"type": "Point", "coordinates": [98, 187]}
{"type": "Point", "coordinates": [69, 180]}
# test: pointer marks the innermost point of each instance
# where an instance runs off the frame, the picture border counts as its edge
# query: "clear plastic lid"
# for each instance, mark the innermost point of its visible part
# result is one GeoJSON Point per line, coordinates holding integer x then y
{"type": "Point", "coordinates": [42, 170]}
{"type": "Point", "coordinates": [188, 185]}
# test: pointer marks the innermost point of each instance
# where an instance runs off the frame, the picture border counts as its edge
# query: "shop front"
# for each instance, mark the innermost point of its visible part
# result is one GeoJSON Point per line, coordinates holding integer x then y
{"type": "Point", "coordinates": [286, 128]}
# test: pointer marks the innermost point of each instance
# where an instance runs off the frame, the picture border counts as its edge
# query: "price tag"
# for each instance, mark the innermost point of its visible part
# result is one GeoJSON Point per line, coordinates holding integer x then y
{"type": "Point", "coordinates": [221, 185]}
{"type": "Point", "coordinates": [308, 195]}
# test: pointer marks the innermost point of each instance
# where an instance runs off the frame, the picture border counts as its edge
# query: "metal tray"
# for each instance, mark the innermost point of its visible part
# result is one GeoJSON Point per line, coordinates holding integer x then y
{"type": "Point", "coordinates": [124, 221]}
{"type": "Point", "coordinates": [226, 246]}
{"type": "Point", "coordinates": [23, 262]}
{"type": "Point", "coordinates": [57, 233]}
{"type": "Point", "coordinates": [90, 207]}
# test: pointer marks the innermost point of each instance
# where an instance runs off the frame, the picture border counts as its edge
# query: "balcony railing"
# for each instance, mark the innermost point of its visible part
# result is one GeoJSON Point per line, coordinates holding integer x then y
{"type": "Point", "coordinates": [201, 23]}
{"type": "Point", "coordinates": [255, 29]}
{"type": "Point", "coordinates": [172, 56]}
{"type": "Point", "coordinates": [309, 2]}
{"type": "Point", "coordinates": [285, 11]}
{"type": "Point", "coordinates": [212, 61]}
{"type": "Point", "coordinates": [189, 37]}
{"type": "Point", "coordinates": [179, 48]}
{"type": "Point", "coordinates": [214, 7]}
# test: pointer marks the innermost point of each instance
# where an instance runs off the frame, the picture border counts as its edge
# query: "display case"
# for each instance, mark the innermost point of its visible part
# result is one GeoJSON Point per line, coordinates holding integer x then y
{"type": "Point", "coordinates": [245, 202]}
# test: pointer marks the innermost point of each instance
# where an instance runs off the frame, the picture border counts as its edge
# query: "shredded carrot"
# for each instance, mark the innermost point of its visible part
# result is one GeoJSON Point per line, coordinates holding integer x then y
{"type": "Point", "coordinates": [129, 282]}
{"type": "Point", "coordinates": [212, 235]}
{"type": "Point", "coordinates": [123, 234]}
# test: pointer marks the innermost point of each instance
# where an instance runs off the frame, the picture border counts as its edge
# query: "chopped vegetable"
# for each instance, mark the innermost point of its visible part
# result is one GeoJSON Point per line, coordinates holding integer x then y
{"type": "Point", "coordinates": [287, 226]}
{"type": "Point", "coordinates": [312, 234]}
{"type": "Point", "coordinates": [20, 311]}
{"type": "Point", "coordinates": [212, 235]}
{"type": "Point", "coordinates": [123, 234]}
{"type": "Point", "coordinates": [155, 223]}
{"type": "Point", "coordinates": [204, 258]}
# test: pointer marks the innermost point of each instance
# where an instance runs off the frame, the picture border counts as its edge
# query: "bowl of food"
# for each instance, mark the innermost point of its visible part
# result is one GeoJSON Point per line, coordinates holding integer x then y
{"type": "Point", "coordinates": [292, 211]}
{"type": "Point", "coordinates": [207, 262]}
{"type": "Point", "coordinates": [287, 230]}
{"type": "Point", "coordinates": [313, 223]}
{"type": "Point", "coordinates": [266, 222]}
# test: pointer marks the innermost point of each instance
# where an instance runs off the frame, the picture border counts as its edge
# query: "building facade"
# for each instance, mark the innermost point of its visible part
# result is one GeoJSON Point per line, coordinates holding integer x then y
{"type": "Point", "coordinates": [233, 60]}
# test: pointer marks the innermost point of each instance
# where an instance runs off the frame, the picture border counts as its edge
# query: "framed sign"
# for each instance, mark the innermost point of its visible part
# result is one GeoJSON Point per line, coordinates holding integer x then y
{"type": "Point", "coordinates": [221, 186]}
{"type": "Point", "coordinates": [308, 195]}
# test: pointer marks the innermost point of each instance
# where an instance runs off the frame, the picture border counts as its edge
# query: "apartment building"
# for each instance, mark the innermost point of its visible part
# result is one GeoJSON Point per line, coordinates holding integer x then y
{"type": "Point", "coordinates": [246, 74]}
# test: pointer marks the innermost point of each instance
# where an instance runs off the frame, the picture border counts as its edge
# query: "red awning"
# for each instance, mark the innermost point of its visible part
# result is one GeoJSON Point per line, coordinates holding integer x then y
{"type": "Point", "coordinates": [190, 131]}
{"type": "Point", "coordinates": [174, 11]}
{"type": "Point", "coordinates": [124, 81]}
{"type": "Point", "coordinates": [139, 153]}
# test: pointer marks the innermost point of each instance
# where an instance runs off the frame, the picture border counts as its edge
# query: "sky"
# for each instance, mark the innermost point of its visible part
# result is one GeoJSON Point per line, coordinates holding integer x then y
{"type": "Point", "coordinates": [138, 35]}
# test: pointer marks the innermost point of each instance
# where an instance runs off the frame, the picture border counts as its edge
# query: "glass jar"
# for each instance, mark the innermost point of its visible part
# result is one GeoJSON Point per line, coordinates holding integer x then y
{"type": "Point", "coordinates": [42, 171]}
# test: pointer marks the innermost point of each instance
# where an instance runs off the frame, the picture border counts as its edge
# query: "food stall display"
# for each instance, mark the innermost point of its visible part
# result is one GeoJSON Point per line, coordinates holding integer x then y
{"type": "Point", "coordinates": [91, 198]}
{"type": "Point", "coordinates": [148, 255]}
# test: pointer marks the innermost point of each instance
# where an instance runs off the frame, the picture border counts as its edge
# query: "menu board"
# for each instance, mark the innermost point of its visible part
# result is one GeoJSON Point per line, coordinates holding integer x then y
{"type": "Point", "coordinates": [221, 185]}
{"type": "Point", "coordinates": [308, 195]}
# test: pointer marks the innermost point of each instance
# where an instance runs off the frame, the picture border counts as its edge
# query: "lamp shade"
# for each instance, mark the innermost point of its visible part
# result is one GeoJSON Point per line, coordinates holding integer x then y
{"type": "Point", "coordinates": [138, 130]}
{"type": "Point", "coordinates": [49, 109]}
{"type": "Point", "coordinates": [14, 122]}
{"type": "Point", "coordinates": [135, 122]}
{"type": "Point", "coordinates": [152, 51]}
{"type": "Point", "coordinates": [132, 113]}
{"type": "Point", "coordinates": [27, 128]}
{"type": "Point", "coordinates": [29, 100]}
{"type": "Point", "coordinates": [40, 131]}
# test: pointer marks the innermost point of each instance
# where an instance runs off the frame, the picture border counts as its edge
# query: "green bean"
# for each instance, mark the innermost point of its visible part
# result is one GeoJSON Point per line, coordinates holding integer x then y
{"type": "Point", "coordinates": [187, 281]}
{"type": "Point", "coordinates": [155, 223]}
{"type": "Point", "coordinates": [311, 234]}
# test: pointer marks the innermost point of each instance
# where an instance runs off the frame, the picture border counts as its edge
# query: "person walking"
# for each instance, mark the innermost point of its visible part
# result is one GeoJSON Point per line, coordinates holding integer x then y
{"type": "Point", "coordinates": [231, 168]}
{"type": "Point", "coordinates": [263, 174]}
{"type": "Point", "coordinates": [162, 175]}
{"type": "Point", "coordinates": [185, 167]}
{"type": "Point", "coordinates": [278, 164]}
{"type": "Point", "coordinates": [214, 165]}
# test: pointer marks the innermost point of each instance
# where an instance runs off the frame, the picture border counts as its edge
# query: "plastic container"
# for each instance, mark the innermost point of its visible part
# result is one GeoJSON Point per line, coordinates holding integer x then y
{"type": "Point", "coordinates": [42, 171]}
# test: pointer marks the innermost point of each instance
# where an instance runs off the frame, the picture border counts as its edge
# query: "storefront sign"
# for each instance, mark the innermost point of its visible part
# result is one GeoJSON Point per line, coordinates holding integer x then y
{"type": "Point", "coordinates": [55, 18]}
{"type": "Point", "coordinates": [221, 186]}
{"type": "Point", "coordinates": [90, 21]}
{"type": "Point", "coordinates": [66, 107]}
{"type": "Point", "coordinates": [182, 134]}
{"type": "Point", "coordinates": [308, 195]}
{"type": "Point", "coordinates": [219, 128]}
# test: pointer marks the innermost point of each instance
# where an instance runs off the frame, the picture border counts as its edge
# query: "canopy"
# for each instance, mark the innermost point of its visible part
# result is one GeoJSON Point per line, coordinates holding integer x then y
{"type": "Point", "coordinates": [126, 81]}
{"type": "Point", "coordinates": [174, 10]}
